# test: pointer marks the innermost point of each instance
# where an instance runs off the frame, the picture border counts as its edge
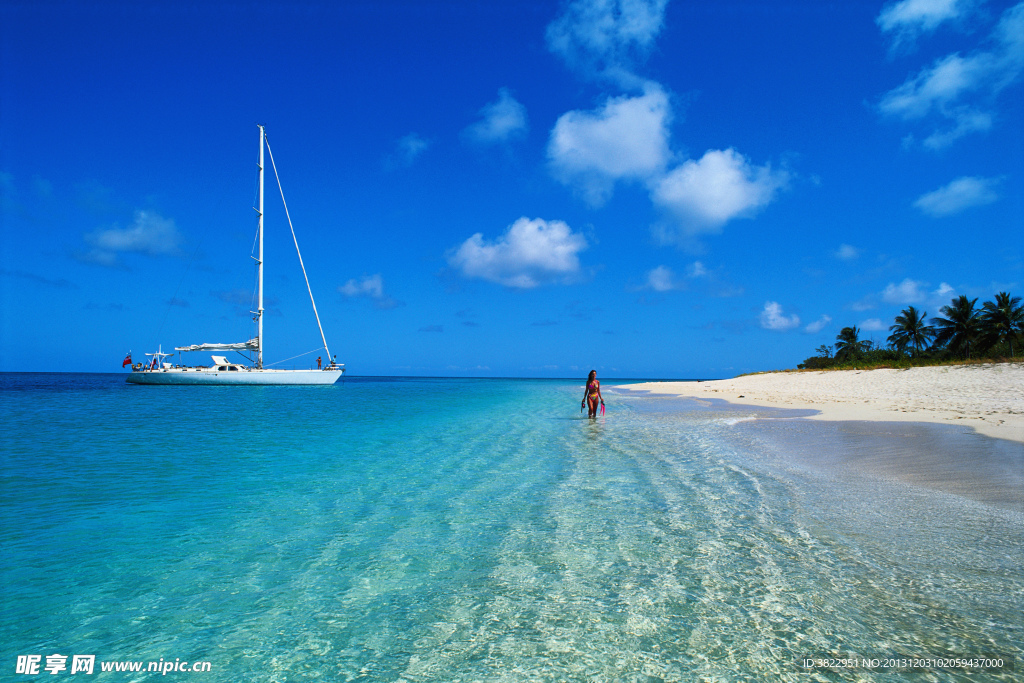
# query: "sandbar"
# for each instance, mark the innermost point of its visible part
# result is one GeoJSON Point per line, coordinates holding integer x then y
{"type": "Point", "coordinates": [988, 398]}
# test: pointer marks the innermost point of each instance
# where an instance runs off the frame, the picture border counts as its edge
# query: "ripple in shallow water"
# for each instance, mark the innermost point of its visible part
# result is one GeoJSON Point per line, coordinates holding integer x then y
{"type": "Point", "coordinates": [474, 534]}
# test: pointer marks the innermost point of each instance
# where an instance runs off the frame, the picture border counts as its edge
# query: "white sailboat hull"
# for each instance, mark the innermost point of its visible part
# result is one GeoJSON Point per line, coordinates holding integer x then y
{"type": "Point", "coordinates": [239, 377]}
{"type": "Point", "coordinates": [222, 372]}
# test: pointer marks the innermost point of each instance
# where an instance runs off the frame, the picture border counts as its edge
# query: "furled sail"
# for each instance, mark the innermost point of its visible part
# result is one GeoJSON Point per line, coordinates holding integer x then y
{"type": "Point", "coordinates": [251, 345]}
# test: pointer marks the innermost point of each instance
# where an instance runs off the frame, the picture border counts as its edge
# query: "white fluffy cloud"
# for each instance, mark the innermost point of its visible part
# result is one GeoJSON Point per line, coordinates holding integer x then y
{"type": "Point", "coordinates": [845, 252]}
{"type": "Point", "coordinates": [499, 121]}
{"type": "Point", "coordinates": [818, 325]}
{"type": "Point", "coordinates": [408, 148]}
{"type": "Point", "coordinates": [965, 121]}
{"type": "Point", "coordinates": [772, 318]}
{"type": "Point", "coordinates": [908, 19]}
{"type": "Point", "coordinates": [944, 293]}
{"type": "Point", "coordinates": [873, 325]}
{"type": "Point", "coordinates": [696, 269]}
{"type": "Point", "coordinates": [662, 279]}
{"type": "Point", "coordinates": [606, 36]}
{"type": "Point", "coordinates": [907, 292]}
{"type": "Point", "coordinates": [149, 234]}
{"type": "Point", "coordinates": [949, 89]}
{"type": "Point", "coordinates": [371, 287]}
{"type": "Point", "coordinates": [625, 139]}
{"type": "Point", "coordinates": [938, 87]}
{"type": "Point", "coordinates": [705, 194]}
{"type": "Point", "coordinates": [916, 292]}
{"type": "Point", "coordinates": [530, 253]}
{"type": "Point", "coordinates": [865, 304]}
{"type": "Point", "coordinates": [960, 194]}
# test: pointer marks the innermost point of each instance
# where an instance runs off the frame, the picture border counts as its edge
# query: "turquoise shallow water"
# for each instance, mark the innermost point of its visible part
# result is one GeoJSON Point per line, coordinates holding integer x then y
{"type": "Point", "coordinates": [464, 530]}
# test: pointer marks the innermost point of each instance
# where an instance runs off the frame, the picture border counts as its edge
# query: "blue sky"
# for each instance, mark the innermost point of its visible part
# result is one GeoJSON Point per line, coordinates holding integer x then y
{"type": "Point", "coordinates": [651, 188]}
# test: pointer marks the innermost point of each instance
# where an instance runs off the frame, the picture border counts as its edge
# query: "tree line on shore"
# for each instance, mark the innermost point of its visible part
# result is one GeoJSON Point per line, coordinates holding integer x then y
{"type": "Point", "coordinates": [993, 330]}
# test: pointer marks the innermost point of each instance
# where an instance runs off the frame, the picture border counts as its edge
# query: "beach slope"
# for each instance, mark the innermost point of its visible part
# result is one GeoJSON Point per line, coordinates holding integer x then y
{"type": "Point", "coordinates": [988, 398]}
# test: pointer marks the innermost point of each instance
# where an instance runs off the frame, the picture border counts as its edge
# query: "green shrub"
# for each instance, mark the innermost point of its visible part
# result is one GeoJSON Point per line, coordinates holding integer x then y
{"type": "Point", "coordinates": [817, 363]}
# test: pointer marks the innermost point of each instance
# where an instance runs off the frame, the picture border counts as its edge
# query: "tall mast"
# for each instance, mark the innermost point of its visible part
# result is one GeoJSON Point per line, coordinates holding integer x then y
{"type": "Point", "coordinates": [259, 264]}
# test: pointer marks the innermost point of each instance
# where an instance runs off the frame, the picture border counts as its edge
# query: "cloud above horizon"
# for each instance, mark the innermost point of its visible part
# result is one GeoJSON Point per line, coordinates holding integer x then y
{"type": "Point", "coordinates": [408, 149]}
{"type": "Point", "coordinates": [705, 194]}
{"type": "Point", "coordinates": [624, 139]}
{"type": "Point", "coordinates": [957, 92]}
{"type": "Point", "coordinates": [909, 19]}
{"type": "Point", "coordinates": [500, 121]}
{"type": "Point", "coordinates": [662, 279]}
{"type": "Point", "coordinates": [772, 318]}
{"type": "Point", "coordinates": [529, 254]}
{"type": "Point", "coordinates": [606, 38]}
{"type": "Point", "coordinates": [818, 325]}
{"type": "Point", "coordinates": [846, 252]}
{"type": "Point", "coordinates": [959, 195]}
{"type": "Point", "coordinates": [150, 234]}
{"type": "Point", "coordinates": [913, 292]}
{"type": "Point", "coordinates": [627, 137]}
{"type": "Point", "coordinates": [371, 287]}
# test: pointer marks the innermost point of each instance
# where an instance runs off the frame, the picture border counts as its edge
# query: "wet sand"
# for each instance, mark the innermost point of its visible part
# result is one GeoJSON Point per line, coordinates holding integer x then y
{"type": "Point", "coordinates": [950, 458]}
{"type": "Point", "coordinates": [986, 398]}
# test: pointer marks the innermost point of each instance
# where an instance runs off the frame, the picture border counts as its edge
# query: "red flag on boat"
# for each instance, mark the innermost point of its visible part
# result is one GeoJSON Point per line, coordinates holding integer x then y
{"type": "Point", "coordinates": [127, 360]}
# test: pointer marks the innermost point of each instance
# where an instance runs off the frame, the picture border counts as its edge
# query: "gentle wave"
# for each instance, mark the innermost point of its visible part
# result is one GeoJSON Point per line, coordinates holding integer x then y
{"type": "Point", "coordinates": [447, 530]}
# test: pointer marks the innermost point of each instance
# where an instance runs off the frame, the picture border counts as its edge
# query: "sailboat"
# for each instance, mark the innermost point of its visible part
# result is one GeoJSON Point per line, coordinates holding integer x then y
{"type": "Point", "coordinates": [224, 372]}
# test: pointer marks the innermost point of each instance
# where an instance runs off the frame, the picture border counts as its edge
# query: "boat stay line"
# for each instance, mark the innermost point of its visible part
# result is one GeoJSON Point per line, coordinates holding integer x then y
{"type": "Point", "coordinates": [301, 354]}
{"type": "Point", "coordinates": [294, 239]}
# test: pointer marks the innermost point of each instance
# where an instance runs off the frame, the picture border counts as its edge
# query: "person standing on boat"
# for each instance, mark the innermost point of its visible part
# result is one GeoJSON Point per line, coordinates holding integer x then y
{"type": "Point", "coordinates": [318, 362]}
{"type": "Point", "coordinates": [592, 394]}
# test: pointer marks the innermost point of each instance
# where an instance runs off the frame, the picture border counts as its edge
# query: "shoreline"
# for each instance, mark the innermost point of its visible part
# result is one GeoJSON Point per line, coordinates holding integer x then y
{"type": "Point", "coordinates": [987, 398]}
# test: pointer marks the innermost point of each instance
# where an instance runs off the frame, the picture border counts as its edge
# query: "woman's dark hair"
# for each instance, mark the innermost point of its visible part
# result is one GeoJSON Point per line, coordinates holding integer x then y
{"type": "Point", "coordinates": [593, 373]}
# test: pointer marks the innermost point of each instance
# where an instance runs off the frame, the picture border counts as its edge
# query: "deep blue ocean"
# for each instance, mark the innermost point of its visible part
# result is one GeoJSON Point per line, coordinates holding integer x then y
{"type": "Point", "coordinates": [411, 529]}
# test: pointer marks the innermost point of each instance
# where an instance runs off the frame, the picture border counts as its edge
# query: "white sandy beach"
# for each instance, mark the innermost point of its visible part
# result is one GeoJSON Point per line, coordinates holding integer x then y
{"type": "Point", "coordinates": [989, 398]}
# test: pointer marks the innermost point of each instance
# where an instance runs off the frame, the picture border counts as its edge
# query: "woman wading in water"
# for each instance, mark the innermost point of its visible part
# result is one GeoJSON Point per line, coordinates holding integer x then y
{"type": "Point", "coordinates": [592, 394]}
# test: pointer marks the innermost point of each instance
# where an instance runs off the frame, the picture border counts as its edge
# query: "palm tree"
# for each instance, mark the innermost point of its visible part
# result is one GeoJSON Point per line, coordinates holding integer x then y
{"type": "Point", "coordinates": [1002, 320]}
{"type": "Point", "coordinates": [910, 330]}
{"type": "Point", "coordinates": [848, 345]}
{"type": "Point", "coordinates": [960, 326]}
